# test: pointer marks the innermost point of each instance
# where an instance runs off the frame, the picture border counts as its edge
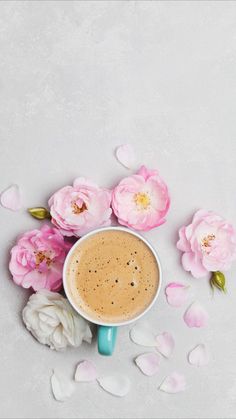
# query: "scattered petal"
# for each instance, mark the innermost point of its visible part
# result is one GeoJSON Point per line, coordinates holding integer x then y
{"type": "Point", "coordinates": [141, 335]}
{"type": "Point", "coordinates": [148, 363]}
{"type": "Point", "coordinates": [165, 344]}
{"type": "Point", "coordinates": [196, 316]}
{"type": "Point", "coordinates": [199, 356]}
{"type": "Point", "coordinates": [40, 213]}
{"type": "Point", "coordinates": [176, 294]}
{"type": "Point", "coordinates": [11, 198]}
{"type": "Point", "coordinates": [218, 280]}
{"type": "Point", "coordinates": [118, 385]}
{"type": "Point", "coordinates": [62, 387]}
{"type": "Point", "coordinates": [174, 383]}
{"type": "Point", "coordinates": [125, 155]}
{"type": "Point", "coordinates": [85, 372]}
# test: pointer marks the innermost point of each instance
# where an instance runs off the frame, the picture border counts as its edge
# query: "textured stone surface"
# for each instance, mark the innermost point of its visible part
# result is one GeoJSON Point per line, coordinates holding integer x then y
{"type": "Point", "coordinates": [76, 80]}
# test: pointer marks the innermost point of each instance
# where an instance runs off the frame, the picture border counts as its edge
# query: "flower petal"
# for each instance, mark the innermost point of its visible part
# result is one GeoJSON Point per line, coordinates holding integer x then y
{"type": "Point", "coordinates": [125, 155]}
{"type": "Point", "coordinates": [62, 387]}
{"type": "Point", "coordinates": [11, 198]}
{"type": "Point", "coordinates": [174, 383]}
{"type": "Point", "coordinates": [118, 385]}
{"type": "Point", "coordinates": [85, 372]}
{"type": "Point", "coordinates": [165, 344]}
{"type": "Point", "coordinates": [148, 363]}
{"type": "Point", "coordinates": [199, 356]}
{"type": "Point", "coordinates": [176, 294]}
{"type": "Point", "coordinates": [141, 335]}
{"type": "Point", "coordinates": [196, 316]}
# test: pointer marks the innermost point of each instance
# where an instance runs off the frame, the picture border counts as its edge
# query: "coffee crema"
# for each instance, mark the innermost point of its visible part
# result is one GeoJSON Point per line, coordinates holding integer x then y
{"type": "Point", "coordinates": [112, 276]}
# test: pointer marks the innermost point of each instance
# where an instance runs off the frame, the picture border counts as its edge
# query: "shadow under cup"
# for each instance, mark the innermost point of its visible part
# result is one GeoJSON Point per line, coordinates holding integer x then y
{"type": "Point", "coordinates": [112, 277]}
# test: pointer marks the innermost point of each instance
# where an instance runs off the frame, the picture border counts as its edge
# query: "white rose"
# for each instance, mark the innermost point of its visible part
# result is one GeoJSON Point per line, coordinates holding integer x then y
{"type": "Point", "coordinates": [53, 321]}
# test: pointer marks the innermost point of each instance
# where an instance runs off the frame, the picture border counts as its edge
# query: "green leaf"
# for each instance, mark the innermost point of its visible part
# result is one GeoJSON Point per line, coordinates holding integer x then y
{"type": "Point", "coordinates": [40, 213]}
{"type": "Point", "coordinates": [218, 281]}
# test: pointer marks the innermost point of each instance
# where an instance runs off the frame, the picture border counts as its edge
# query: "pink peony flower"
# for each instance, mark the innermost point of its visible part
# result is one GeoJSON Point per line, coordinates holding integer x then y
{"type": "Point", "coordinates": [80, 208]}
{"type": "Point", "coordinates": [141, 201]}
{"type": "Point", "coordinates": [37, 259]}
{"type": "Point", "coordinates": [208, 243]}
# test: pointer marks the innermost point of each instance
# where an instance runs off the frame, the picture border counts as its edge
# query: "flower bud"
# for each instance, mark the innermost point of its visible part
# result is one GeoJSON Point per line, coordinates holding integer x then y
{"type": "Point", "coordinates": [218, 280]}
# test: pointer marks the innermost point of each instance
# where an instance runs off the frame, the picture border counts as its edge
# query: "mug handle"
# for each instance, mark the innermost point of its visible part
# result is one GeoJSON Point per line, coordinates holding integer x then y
{"type": "Point", "coordinates": [106, 339]}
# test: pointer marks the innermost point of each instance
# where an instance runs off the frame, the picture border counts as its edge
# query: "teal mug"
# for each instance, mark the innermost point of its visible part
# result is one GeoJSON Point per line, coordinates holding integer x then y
{"type": "Point", "coordinates": [107, 332]}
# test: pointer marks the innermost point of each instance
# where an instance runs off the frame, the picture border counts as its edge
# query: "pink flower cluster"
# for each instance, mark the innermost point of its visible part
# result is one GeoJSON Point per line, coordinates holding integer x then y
{"type": "Point", "coordinates": [140, 201]}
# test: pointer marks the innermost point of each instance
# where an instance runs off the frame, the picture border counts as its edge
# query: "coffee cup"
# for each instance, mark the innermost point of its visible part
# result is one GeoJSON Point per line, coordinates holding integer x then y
{"type": "Point", "coordinates": [109, 283]}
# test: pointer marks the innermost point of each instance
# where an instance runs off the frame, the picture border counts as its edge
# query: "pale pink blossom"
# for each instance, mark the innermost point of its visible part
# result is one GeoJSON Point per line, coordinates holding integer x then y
{"type": "Point", "coordinates": [37, 259]}
{"type": "Point", "coordinates": [208, 243]}
{"type": "Point", "coordinates": [196, 316]}
{"type": "Point", "coordinates": [176, 294]}
{"type": "Point", "coordinates": [80, 208]}
{"type": "Point", "coordinates": [141, 201]}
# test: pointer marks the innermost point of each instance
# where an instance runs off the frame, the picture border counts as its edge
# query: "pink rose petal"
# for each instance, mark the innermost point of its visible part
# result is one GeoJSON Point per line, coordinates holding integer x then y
{"type": "Point", "coordinates": [148, 363]}
{"type": "Point", "coordinates": [125, 155]}
{"type": "Point", "coordinates": [165, 344]}
{"type": "Point", "coordinates": [85, 372]}
{"type": "Point", "coordinates": [176, 294]}
{"type": "Point", "coordinates": [196, 316]}
{"type": "Point", "coordinates": [62, 387]}
{"type": "Point", "coordinates": [174, 383]}
{"type": "Point", "coordinates": [11, 198]}
{"type": "Point", "coordinates": [142, 335]}
{"type": "Point", "coordinates": [199, 356]}
{"type": "Point", "coordinates": [118, 385]}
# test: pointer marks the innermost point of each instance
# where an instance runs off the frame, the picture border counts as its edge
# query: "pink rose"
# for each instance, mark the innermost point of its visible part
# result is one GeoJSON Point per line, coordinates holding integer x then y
{"type": "Point", "coordinates": [141, 201]}
{"type": "Point", "coordinates": [208, 243]}
{"type": "Point", "coordinates": [80, 208]}
{"type": "Point", "coordinates": [37, 259]}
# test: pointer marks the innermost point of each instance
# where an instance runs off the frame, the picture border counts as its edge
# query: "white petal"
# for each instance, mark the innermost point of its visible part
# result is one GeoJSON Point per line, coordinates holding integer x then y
{"type": "Point", "coordinates": [118, 385]}
{"type": "Point", "coordinates": [141, 335]}
{"type": "Point", "coordinates": [148, 363]}
{"type": "Point", "coordinates": [165, 344]}
{"type": "Point", "coordinates": [125, 155]}
{"type": "Point", "coordinates": [85, 372]}
{"type": "Point", "coordinates": [174, 383]}
{"type": "Point", "coordinates": [199, 356]}
{"type": "Point", "coordinates": [11, 198]}
{"type": "Point", "coordinates": [176, 294]}
{"type": "Point", "coordinates": [62, 387]}
{"type": "Point", "coordinates": [196, 316]}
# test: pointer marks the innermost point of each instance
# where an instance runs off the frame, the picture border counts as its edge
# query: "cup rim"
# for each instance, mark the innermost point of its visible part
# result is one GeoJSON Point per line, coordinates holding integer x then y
{"type": "Point", "coordinates": [92, 233]}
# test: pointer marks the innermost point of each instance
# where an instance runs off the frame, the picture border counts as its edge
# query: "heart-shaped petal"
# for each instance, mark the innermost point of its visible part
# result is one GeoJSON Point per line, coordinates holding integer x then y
{"type": "Point", "coordinates": [142, 335]}
{"type": "Point", "coordinates": [196, 316]}
{"type": "Point", "coordinates": [165, 344]}
{"type": "Point", "coordinates": [199, 356]}
{"type": "Point", "coordinates": [176, 294]}
{"type": "Point", "coordinates": [174, 383]}
{"type": "Point", "coordinates": [148, 363]}
{"type": "Point", "coordinates": [85, 372]}
{"type": "Point", "coordinates": [125, 155]}
{"type": "Point", "coordinates": [118, 385]}
{"type": "Point", "coordinates": [11, 198]}
{"type": "Point", "coordinates": [62, 387]}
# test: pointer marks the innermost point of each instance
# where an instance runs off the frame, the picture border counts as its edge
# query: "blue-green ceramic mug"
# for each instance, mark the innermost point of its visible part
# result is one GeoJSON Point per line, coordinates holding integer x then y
{"type": "Point", "coordinates": [107, 332]}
